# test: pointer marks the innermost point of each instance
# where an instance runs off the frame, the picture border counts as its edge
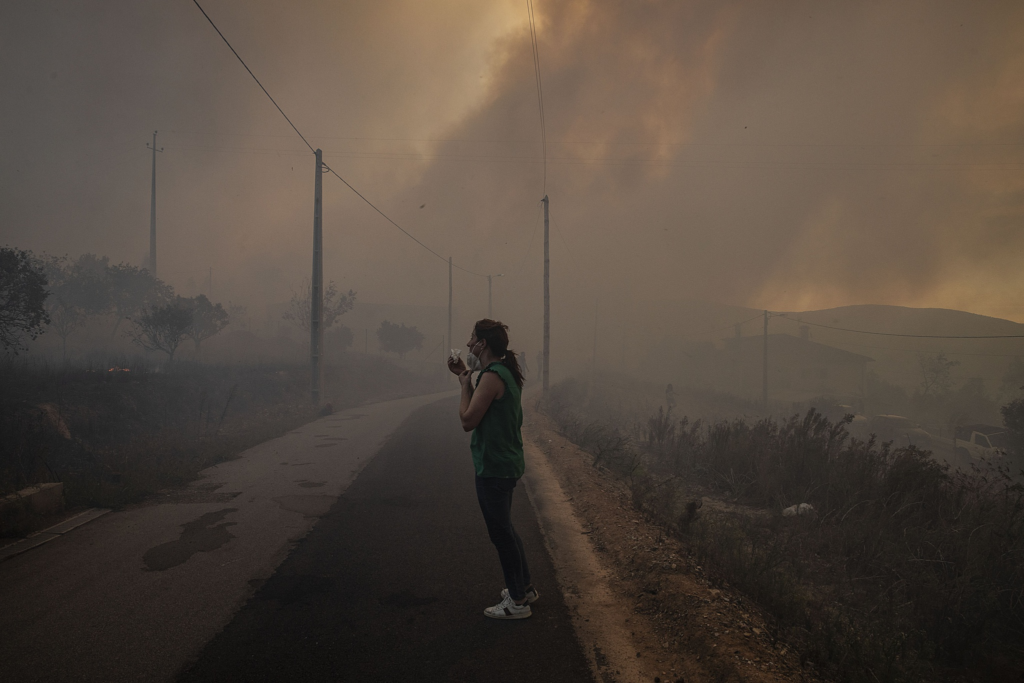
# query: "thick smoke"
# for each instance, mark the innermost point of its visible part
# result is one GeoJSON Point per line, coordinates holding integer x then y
{"type": "Point", "coordinates": [787, 156]}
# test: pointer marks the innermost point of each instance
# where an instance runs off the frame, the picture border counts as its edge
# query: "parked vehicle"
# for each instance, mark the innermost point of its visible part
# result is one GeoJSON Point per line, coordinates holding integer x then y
{"type": "Point", "coordinates": [980, 442]}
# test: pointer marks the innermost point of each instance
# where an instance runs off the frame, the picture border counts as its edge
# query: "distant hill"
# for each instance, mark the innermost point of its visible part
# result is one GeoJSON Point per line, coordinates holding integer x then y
{"type": "Point", "coordinates": [896, 359]}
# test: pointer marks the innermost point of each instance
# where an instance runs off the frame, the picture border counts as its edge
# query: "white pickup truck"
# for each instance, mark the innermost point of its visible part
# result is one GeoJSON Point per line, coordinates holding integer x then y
{"type": "Point", "coordinates": [979, 442]}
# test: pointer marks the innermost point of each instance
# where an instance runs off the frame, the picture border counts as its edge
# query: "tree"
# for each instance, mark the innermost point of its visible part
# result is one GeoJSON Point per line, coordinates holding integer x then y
{"type": "Point", "coordinates": [1013, 380]}
{"type": "Point", "coordinates": [207, 319]}
{"type": "Point", "coordinates": [163, 328]}
{"type": "Point", "coordinates": [335, 306]}
{"type": "Point", "coordinates": [22, 298]}
{"type": "Point", "coordinates": [1013, 420]}
{"type": "Point", "coordinates": [398, 338]}
{"type": "Point", "coordinates": [134, 290]}
{"type": "Point", "coordinates": [78, 289]}
{"type": "Point", "coordinates": [937, 372]}
{"type": "Point", "coordinates": [341, 337]}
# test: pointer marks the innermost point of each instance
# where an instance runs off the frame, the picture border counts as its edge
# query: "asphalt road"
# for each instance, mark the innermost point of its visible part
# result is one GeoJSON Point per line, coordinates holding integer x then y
{"type": "Point", "coordinates": [137, 594]}
{"type": "Point", "coordinates": [391, 583]}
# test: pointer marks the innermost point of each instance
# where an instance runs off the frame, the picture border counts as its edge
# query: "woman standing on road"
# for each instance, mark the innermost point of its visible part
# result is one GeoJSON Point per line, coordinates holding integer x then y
{"type": "Point", "coordinates": [493, 411]}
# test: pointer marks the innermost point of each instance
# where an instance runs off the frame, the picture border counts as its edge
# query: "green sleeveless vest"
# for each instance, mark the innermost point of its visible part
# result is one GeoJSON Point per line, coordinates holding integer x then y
{"type": "Point", "coordinates": [497, 443]}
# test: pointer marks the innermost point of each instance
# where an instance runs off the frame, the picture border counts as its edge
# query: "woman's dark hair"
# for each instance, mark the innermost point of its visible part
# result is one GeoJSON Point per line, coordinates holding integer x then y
{"type": "Point", "coordinates": [496, 336]}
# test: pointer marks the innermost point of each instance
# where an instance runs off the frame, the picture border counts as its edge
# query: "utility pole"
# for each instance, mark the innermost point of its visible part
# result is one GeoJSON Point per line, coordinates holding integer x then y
{"type": "Point", "coordinates": [593, 358]}
{"type": "Point", "coordinates": [449, 299]}
{"type": "Point", "coordinates": [316, 303]}
{"type": "Point", "coordinates": [764, 378]}
{"type": "Point", "coordinates": [489, 313]}
{"type": "Point", "coordinates": [152, 210]}
{"type": "Point", "coordinates": [547, 300]}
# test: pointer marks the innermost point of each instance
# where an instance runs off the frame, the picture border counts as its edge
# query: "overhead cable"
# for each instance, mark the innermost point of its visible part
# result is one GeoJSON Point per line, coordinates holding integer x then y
{"type": "Point", "coordinates": [911, 336]}
{"type": "Point", "coordinates": [253, 76]}
{"type": "Point", "coordinates": [540, 91]}
{"type": "Point", "coordinates": [349, 186]}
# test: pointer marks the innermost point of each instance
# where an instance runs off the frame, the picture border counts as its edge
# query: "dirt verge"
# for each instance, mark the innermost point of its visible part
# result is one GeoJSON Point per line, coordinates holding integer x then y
{"type": "Point", "coordinates": [680, 628]}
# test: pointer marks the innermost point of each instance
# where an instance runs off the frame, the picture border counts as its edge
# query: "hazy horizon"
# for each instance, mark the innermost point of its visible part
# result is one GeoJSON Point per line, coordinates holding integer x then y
{"type": "Point", "coordinates": [791, 157]}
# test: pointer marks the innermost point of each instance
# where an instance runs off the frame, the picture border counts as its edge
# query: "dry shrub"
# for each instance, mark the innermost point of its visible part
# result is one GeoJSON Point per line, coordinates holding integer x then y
{"type": "Point", "coordinates": [906, 571]}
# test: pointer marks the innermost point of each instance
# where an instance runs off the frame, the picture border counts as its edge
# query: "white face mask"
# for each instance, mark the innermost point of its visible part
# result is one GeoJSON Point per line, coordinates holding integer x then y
{"type": "Point", "coordinates": [472, 360]}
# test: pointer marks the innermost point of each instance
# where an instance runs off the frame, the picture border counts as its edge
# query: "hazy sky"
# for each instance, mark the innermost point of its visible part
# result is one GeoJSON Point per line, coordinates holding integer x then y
{"type": "Point", "coordinates": [784, 155]}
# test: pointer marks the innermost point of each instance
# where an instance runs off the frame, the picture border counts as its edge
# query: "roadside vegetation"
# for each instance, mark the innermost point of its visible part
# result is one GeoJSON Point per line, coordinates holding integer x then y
{"type": "Point", "coordinates": [116, 432]}
{"type": "Point", "coordinates": [900, 569]}
{"type": "Point", "coordinates": [87, 406]}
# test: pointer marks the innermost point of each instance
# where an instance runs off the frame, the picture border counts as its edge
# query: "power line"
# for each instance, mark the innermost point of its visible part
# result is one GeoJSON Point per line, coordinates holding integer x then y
{"type": "Point", "coordinates": [388, 219]}
{"type": "Point", "coordinates": [540, 91]}
{"type": "Point", "coordinates": [253, 75]}
{"type": "Point", "coordinates": [910, 336]}
{"type": "Point", "coordinates": [349, 186]}
{"type": "Point", "coordinates": [622, 161]}
{"type": "Point", "coordinates": [688, 143]}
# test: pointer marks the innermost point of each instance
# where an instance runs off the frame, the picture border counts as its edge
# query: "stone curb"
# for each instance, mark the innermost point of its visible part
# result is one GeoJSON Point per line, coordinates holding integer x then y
{"type": "Point", "coordinates": [38, 538]}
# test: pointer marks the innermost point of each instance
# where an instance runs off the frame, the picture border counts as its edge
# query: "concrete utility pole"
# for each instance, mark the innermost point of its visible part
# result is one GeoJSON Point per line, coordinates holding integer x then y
{"type": "Point", "coordinates": [489, 313]}
{"type": "Point", "coordinates": [449, 299]}
{"type": "Point", "coordinates": [764, 378]}
{"type": "Point", "coordinates": [152, 210]}
{"type": "Point", "coordinates": [547, 300]}
{"type": "Point", "coordinates": [316, 299]}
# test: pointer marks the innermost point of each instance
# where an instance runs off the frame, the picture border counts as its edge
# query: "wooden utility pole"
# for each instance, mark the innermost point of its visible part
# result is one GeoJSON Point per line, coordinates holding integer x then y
{"type": "Point", "coordinates": [547, 300]}
{"type": "Point", "coordinates": [316, 303]}
{"type": "Point", "coordinates": [764, 378]}
{"type": "Point", "coordinates": [449, 299]}
{"type": "Point", "coordinates": [152, 210]}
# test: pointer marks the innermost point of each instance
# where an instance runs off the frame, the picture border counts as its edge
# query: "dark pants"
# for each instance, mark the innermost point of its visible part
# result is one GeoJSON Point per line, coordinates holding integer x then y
{"type": "Point", "coordinates": [495, 497]}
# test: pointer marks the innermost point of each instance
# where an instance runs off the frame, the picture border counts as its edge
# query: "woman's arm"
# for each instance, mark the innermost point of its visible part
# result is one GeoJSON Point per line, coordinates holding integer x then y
{"type": "Point", "coordinates": [474, 404]}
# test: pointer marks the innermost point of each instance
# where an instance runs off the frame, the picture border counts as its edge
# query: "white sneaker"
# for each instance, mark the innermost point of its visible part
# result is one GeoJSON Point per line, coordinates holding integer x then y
{"type": "Point", "coordinates": [531, 595]}
{"type": "Point", "coordinates": [508, 609]}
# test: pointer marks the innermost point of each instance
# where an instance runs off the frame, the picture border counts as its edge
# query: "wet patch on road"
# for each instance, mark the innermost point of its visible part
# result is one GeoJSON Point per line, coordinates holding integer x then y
{"type": "Point", "coordinates": [202, 493]}
{"type": "Point", "coordinates": [307, 505]}
{"type": "Point", "coordinates": [200, 536]}
{"type": "Point", "coordinates": [311, 484]}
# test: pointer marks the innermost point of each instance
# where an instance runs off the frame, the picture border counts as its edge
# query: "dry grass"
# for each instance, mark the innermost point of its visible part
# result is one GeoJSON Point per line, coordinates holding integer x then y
{"type": "Point", "coordinates": [906, 571]}
{"type": "Point", "coordinates": [114, 437]}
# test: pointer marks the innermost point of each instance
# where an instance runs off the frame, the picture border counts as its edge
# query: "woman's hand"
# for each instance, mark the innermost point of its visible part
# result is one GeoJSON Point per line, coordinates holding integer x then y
{"type": "Point", "coordinates": [465, 377]}
{"type": "Point", "coordinates": [457, 366]}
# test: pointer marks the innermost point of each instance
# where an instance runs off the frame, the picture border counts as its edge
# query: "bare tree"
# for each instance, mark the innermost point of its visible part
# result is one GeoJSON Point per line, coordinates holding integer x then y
{"type": "Point", "coordinates": [207, 319]}
{"type": "Point", "coordinates": [335, 306]}
{"type": "Point", "coordinates": [163, 328]}
{"type": "Point", "coordinates": [78, 290]}
{"type": "Point", "coordinates": [133, 290]}
{"type": "Point", "coordinates": [937, 373]}
{"type": "Point", "coordinates": [22, 298]}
